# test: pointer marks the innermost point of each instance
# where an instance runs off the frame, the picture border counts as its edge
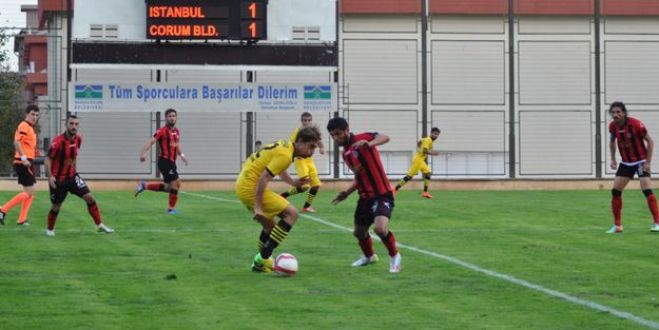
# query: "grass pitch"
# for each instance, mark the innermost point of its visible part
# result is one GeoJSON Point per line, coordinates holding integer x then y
{"type": "Point", "coordinates": [191, 271]}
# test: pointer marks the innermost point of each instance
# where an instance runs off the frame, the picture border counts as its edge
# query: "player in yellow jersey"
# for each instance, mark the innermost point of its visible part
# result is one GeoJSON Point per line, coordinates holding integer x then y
{"type": "Point", "coordinates": [252, 190]}
{"type": "Point", "coordinates": [25, 145]}
{"type": "Point", "coordinates": [424, 148]}
{"type": "Point", "coordinates": [305, 167]}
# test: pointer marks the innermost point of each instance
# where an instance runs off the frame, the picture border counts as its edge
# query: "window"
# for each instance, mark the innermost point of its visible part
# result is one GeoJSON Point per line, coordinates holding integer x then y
{"type": "Point", "coordinates": [103, 31]}
{"type": "Point", "coordinates": [111, 31]}
{"type": "Point", "coordinates": [306, 33]}
{"type": "Point", "coordinates": [96, 30]}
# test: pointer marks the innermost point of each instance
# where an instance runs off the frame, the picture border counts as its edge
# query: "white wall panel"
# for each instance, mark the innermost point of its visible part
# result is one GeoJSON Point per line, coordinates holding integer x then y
{"type": "Point", "coordinates": [211, 141]}
{"type": "Point", "coordinates": [554, 72]}
{"type": "Point", "coordinates": [468, 72]}
{"type": "Point", "coordinates": [562, 147]}
{"type": "Point", "coordinates": [631, 71]}
{"type": "Point", "coordinates": [554, 25]}
{"type": "Point", "coordinates": [400, 126]}
{"type": "Point", "coordinates": [379, 23]}
{"type": "Point", "coordinates": [381, 71]}
{"type": "Point", "coordinates": [475, 131]}
{"type": "Point", "coordinates": [631, 25]}
{"type": "Point", "coordinates": [112, 141]}
{"type": "Point", "coordinates": [114, 75]}
{"type": "Point", "coordinates": [201, 75]}
{"type": "Point", "coordinates": [467, 24]}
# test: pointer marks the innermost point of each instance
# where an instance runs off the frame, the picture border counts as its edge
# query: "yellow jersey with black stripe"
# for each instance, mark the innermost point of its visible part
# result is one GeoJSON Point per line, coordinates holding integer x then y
{"type": "Point", "coordinates": [274, 158]}
{"type": "Point", "coordinates": [423, 147]}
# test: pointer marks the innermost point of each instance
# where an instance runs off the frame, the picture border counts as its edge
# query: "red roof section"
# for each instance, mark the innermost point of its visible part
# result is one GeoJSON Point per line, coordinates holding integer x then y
{"type": "Point", "coordinates": [474, 7]}
{"type": "Point", "coordinates": [554, 7]}
{"type": "Point", "coordinates": [50, 6]}
{"type": "Point", "coordinates": [380, 6]}
{"type": "Point", "coordinates": [630, 7]}
{"type": "Point", "coordinates": [500, 7]}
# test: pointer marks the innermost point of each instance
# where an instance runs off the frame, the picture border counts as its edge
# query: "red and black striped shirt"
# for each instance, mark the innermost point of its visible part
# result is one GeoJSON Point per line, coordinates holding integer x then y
{"type": "Point", "coordinates": [630, 139]}
{"type": "Point", "coordinates": [365, 162]}
{"type": "Point", "coordinates": [168, 139]}
{"type": "Point", "coordinates": [63, 154]}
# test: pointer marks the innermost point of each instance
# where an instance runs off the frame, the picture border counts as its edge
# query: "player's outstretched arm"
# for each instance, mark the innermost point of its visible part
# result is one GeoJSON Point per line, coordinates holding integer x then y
{"type": "Point", "coordinates": [146, 148]}
{"type": "Point", "coordinates": [19, 150]}
{"type": "Point", "coordinates": [650, 147]}
{"type": "Point", "coordinates": [344, 194]}
{"type": "Point", "coordinates": [379, 140]}
{"type": "Point", "coordinates": [612, 149]}
{"type": "Point", "coordinates": [49, 173]}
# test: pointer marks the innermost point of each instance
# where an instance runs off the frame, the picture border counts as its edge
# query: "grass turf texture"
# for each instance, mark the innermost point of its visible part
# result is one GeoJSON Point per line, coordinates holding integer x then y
{"type": "Point", "coordinates": [191, 271]}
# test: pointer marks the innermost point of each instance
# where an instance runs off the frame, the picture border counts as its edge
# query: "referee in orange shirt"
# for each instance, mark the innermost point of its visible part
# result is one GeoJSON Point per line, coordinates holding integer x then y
{"type": "Point", "coordinates": [25, 143]}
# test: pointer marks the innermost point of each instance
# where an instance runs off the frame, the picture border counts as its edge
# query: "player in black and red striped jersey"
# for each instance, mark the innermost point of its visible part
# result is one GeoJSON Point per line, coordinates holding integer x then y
{"type": "Point", "coordinates": [63, 177]}
{"type": "Point", "coordinates": [168, 138]}
{"type": "Point", "coordinates": [376, 199]}
{"type": "Point", "coordinates": [635, 146]}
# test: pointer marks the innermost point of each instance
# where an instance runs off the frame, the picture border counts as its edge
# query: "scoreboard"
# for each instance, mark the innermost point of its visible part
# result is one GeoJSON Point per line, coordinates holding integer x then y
{"type": "Point", "coordinates": [206, 19]}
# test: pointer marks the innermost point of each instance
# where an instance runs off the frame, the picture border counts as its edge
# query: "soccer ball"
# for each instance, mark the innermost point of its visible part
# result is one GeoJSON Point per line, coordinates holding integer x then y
{"type": "Point", "coordinates": [286, 264]}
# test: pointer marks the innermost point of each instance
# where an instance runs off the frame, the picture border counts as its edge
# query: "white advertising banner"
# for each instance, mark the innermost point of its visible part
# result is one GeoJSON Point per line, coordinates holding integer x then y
{"type": "Point", "coordinates": [186, 97]}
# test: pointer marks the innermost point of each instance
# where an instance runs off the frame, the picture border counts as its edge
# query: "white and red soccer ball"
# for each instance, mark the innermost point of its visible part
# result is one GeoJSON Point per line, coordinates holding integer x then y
{"type": "Point", "coordinates": [286, 264]}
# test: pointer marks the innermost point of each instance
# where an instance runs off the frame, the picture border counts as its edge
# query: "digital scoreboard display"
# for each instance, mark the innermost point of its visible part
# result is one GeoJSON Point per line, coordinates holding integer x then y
{"type": "Point", "coordinates": [206, 19]}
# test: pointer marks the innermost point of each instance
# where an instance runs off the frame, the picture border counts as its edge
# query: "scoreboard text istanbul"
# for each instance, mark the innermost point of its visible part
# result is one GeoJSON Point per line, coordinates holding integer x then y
{"type": "Point", "coordinates": [206, 19]}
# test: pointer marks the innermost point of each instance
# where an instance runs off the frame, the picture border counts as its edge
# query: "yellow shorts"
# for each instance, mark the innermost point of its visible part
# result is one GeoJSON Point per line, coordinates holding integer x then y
{"type": "Point", "coordinates": [306, 167]}
{"type": "Point", "coordinates": [418, 164]}
{"type": "Point", "coordinates": [273, 203]}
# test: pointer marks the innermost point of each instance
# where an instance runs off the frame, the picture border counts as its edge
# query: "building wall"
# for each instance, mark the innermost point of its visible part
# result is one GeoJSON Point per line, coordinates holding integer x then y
{"type": "Point", "coordinates": [469, 90]}
{"type": "Point", "coordinates": [130, 16]}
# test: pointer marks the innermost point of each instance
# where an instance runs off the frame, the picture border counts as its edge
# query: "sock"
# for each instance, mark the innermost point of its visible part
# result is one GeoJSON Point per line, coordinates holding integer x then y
{"type": "Point", "coordinates": [173, 197]}
{"type": "Point", "coordinates": [52, 218]}
{"type": "Point", "coordinates": [294, 191]}
{"type": "Point", "coordinates": [390, 242]}
{"type": "Point", "coordinates": [155, 186]}
{"type": "Point", "coordinates": [25, 208]}
{"type": "Point", "coordinates": [403, 182]}
{"type": "Point", "coordinates": [426, 182]}
{"type": "Point", "coordinates": [652, 205]}
{"type": "Point", "coordinates": [95, 213]}
{"type": "Point", "coordinates": [277, 235]}
{"type": "Point", "coordinates": [366, 245]}
{"type": "Point", "coordinates": [19, 198]}
{"type": "Point", "coordinates": [310, 196]}
{"type": "Point", "coordinates": [262, 238]}
{"type": "Point", "coordinates": [616, 207]}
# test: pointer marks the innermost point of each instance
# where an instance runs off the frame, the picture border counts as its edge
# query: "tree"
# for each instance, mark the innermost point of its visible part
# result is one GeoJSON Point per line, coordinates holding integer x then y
{"type": "Point", "coordinates": [11, 106]}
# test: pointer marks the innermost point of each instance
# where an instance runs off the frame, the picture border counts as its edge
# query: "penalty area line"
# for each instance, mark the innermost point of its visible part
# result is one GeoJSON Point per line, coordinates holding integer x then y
{"type": "Point", "coordinates": [505, 277]}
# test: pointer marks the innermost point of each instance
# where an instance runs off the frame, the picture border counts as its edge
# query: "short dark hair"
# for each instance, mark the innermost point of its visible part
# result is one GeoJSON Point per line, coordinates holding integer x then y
{"type": "Point", "coordinates": [258, 142]}
{"type": "Point", "coordinates": [168, 111]}
{"type": "Point", "coordinates": [618, 104]}
{"type": "Point", "coordinates": [435, 129]}
{"type": "Point", "coordinates": [308, 134]}
{"type": "Point", "coordinates": [31, 107]}
{"type": "Point", "coordinates": [71, 116]}
{"type": "Point", "coordinates": [337, 123]}
{"type": "Point", "coordinates": [305, 114]}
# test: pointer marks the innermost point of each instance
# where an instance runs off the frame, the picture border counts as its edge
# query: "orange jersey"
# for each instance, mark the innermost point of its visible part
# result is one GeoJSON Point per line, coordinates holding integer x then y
{"type": "Point", "coordinates": [26, 136]}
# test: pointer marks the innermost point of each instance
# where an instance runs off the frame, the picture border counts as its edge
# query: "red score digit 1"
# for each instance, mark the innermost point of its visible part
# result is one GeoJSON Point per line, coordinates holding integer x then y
{"type": "Point", "coordinates": [252, 10]}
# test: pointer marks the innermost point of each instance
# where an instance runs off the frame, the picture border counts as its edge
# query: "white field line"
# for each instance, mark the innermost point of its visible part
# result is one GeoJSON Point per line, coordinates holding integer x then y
{"type": "Point", "coordinates": [508, 278]}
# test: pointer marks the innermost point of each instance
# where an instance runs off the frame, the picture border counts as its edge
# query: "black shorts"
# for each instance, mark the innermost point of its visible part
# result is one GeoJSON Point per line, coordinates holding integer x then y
{"type": "Point", "coordinates": [76, 186]}
{"type": "Point", "coordinates": [630, 171]}
{"type": "Point", "coordinates": [168, 170]}
{"type": "Point", "coordinates": [25, 175]}
{"type": "Point", "coordinates": [368, 209]}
